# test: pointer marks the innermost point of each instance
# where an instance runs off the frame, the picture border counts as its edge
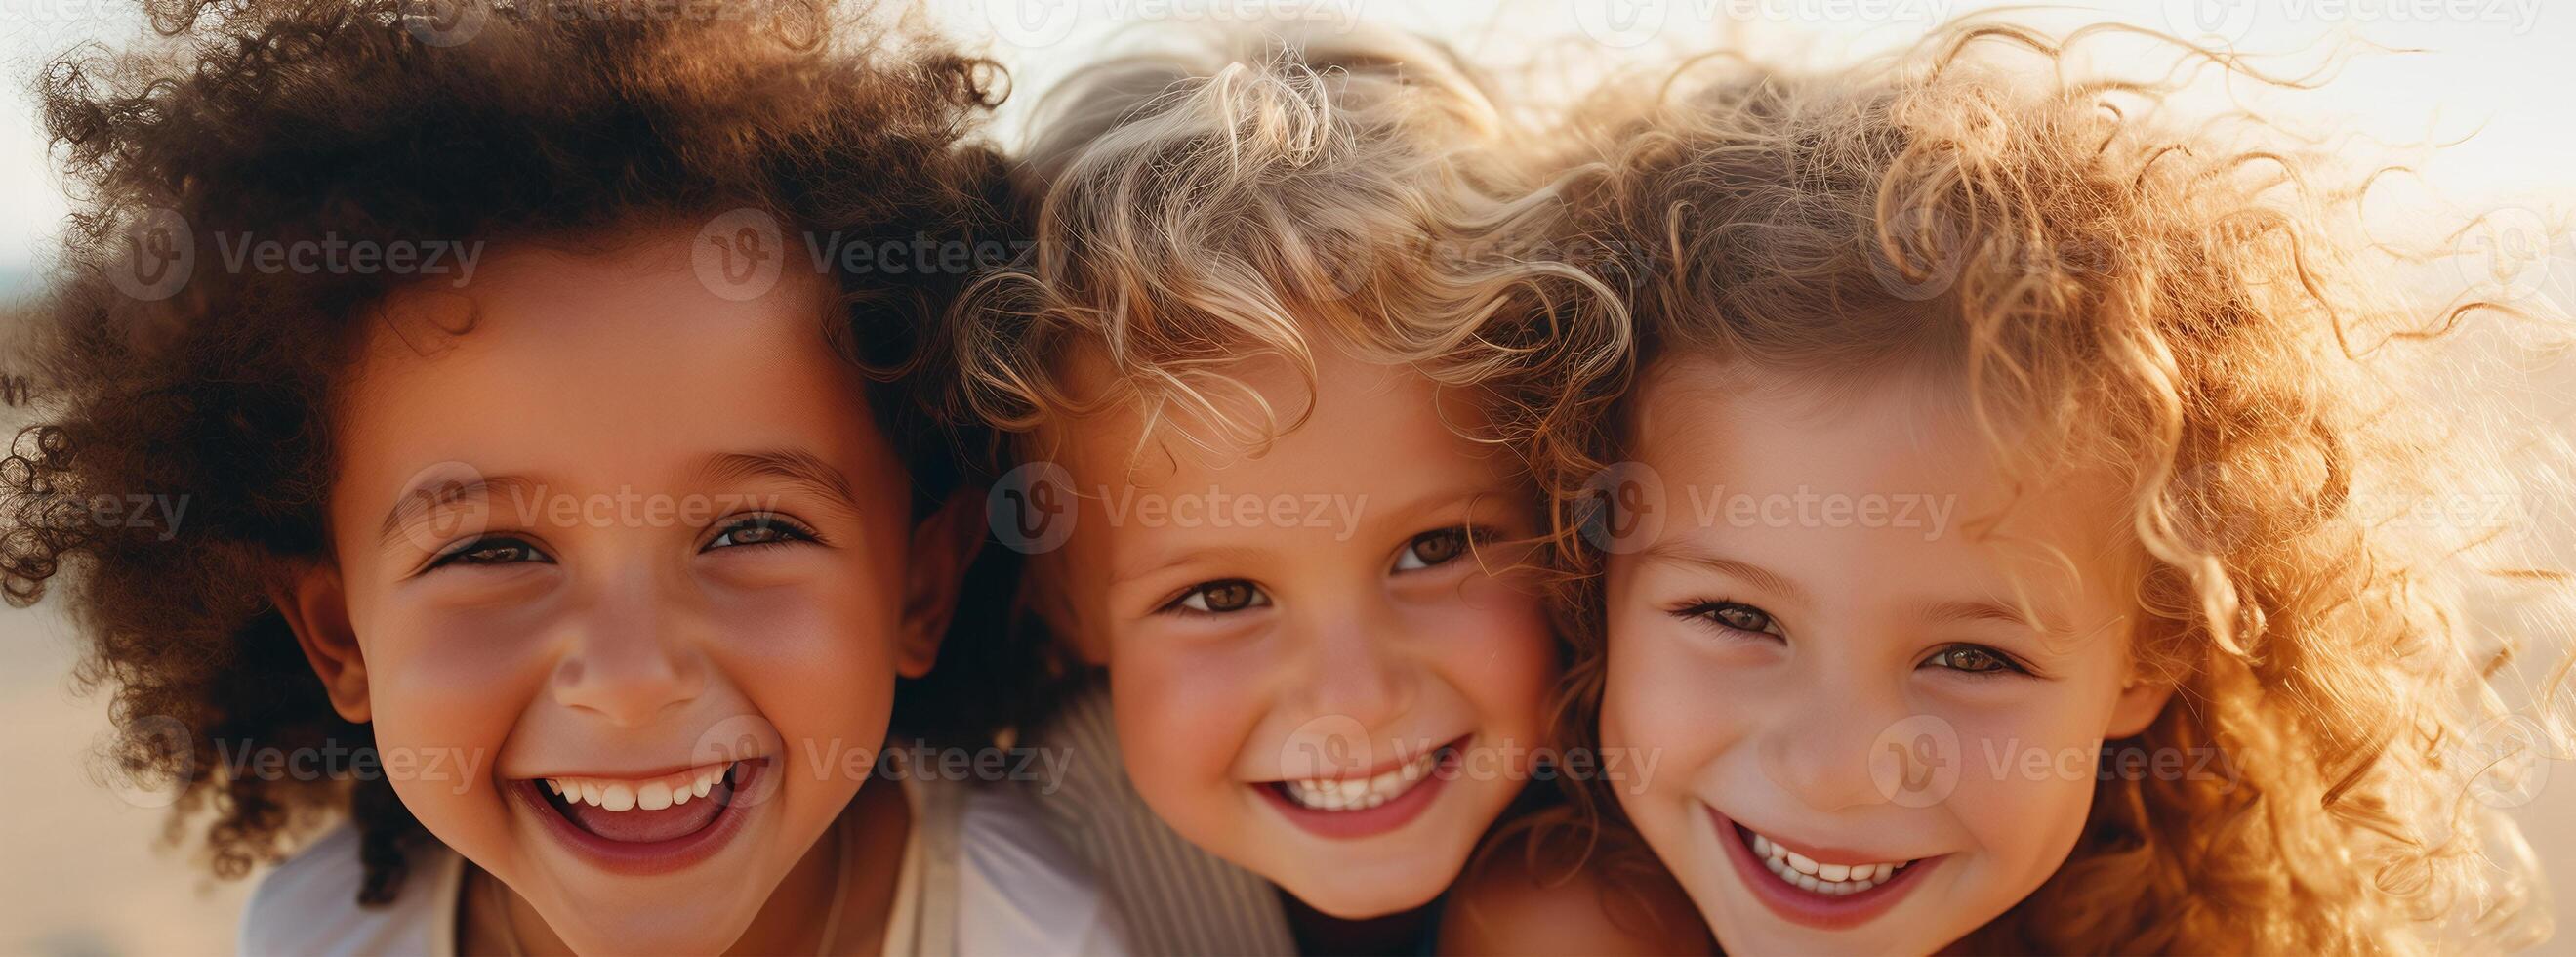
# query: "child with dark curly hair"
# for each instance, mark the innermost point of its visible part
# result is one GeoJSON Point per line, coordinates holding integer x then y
{"type": "Point", "coordinates": [558, 497]}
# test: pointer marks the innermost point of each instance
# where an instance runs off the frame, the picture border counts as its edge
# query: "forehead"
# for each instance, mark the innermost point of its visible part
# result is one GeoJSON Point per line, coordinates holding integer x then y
{"type": "Point", "coordinates": [606, 365]}
{"type": "Point", "coordinates": [1838, 456]}
{"type": "Point", "coordinates": [1357, 425]}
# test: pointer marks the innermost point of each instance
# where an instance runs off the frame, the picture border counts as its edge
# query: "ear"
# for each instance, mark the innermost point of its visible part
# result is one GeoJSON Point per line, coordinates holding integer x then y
{"type": "Point", "coordinates": [316, 608]}
{"type": "Point", "coordinates": [942, 546]}
{"type": "Point", "coordinates": [2142, 698]}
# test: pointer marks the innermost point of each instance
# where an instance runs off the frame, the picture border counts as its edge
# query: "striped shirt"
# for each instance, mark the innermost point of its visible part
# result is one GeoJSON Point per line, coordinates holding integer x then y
{"type": "Point", "coordinates": [1177, 898]}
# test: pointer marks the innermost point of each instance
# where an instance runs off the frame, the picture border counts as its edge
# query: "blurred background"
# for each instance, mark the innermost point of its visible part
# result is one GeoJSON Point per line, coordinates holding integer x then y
{"type": "Point", "coordinates": [2488, 80]}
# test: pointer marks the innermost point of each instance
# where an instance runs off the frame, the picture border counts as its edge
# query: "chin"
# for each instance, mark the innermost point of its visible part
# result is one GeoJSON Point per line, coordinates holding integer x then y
{"type": "Point", "coordinates": [1357, 897]}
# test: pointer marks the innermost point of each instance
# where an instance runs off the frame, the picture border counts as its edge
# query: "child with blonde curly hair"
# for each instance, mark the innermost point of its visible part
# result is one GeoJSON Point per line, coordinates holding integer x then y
{"type": "Point", "coordinates": [1996, 547]}
{"type": "Point", "coordinates": [1272, 373]}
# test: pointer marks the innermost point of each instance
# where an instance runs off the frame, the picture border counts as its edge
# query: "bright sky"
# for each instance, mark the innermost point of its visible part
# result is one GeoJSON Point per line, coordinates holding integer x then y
{"type": "Point", "coordinates": [2497, 72]}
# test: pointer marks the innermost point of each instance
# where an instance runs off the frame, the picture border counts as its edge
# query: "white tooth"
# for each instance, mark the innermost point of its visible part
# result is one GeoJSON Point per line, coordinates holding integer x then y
{"type": "Point", "coordinates": [681, 795]}
{"type": "Point", "coordinates": [706, 782]}
{"type": "Point", "coordinates": [1834, 872]}
{"type": "Point", "coordinates": [617, 797]}
{"type": "Point", "coordinates": [1389, 781]}
{"type": "Point", "coordinates": [1762, 846]}
{"type": "Point", "coordinates": [653, 796]}
{"type": "Point", "coordinates": [1882, 872]}
{"type": "Point", "coordinates": [590, 793]}
{"type": "Point", "coordinates": [1804, 864]}
{"type": "Point", "coordinates": [552, 787]}
{"type": "Point", "coordinates": [1807, 881]}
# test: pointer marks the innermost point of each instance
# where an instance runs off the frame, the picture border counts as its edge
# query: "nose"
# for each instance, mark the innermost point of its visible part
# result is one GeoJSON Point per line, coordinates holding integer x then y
{"type": "Point", "coordinates": [629, 656]}
{"type": "Point", "coordinates": [1356, 669]}
{"type": "Point", "coordinates": [1817, 744]}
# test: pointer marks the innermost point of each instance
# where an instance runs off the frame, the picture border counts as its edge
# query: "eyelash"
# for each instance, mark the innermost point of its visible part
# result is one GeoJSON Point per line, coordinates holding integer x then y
{"type": "Point", "coordinates": [1710, 611]}
{"type": "Point", "coordinates": [791, 530]}
{"type": "Point", "coordinates": [1464, 535]}
{"type": "Point", "coordinates": [1180, 605]}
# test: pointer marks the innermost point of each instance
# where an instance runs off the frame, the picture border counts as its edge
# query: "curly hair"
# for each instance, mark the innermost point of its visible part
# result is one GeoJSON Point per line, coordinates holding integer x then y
{"type": "Point", "coordinates": [1248, 196]}
{"type": "Point", "coordinates": [2194, 304]}
{"type": "Point", "coordinates": [360, 121]}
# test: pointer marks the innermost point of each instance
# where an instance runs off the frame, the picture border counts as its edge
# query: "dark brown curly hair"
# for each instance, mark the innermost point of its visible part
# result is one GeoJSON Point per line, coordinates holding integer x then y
{"type": "Point", "coordinates": [374, 121]}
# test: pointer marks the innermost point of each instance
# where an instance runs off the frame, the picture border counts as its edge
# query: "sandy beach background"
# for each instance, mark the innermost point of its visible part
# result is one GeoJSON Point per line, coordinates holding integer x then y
{"type": "Point", "coordinates": [88, 874]}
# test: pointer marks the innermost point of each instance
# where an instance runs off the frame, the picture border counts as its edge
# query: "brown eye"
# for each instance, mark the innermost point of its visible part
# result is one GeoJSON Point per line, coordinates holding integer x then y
{"type": "Point", "coordinates": [1740, 617]}
{"type": "Point", "coordinates": [1220, 597]}
{"type": "Point", "coordinates": [491, 551]}
{"type": "Point", "coordinates": [1432, 549]}
{"type": "Point", "coordinates": [760, 530]}
{"type": "Point", "coordinates": [1971, 659]}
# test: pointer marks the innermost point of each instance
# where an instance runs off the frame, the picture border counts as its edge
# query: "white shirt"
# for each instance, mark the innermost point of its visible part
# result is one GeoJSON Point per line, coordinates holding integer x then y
{"type": "Point", "coordinates": [1175, 897]}
{"type": "Point", "coordinates": [981, 874]}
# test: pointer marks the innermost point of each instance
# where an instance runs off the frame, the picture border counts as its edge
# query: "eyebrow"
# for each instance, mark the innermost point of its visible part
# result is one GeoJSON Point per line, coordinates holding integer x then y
{"type": "Point", "coordinates": [443, 489]}
{"type": "Point", "coordinates": [795, 466]}
{"type": "Point", "coordinates": [1693, 554]}
{"type": "Point", "coordinates": [1949, 612]}
{"type": "Point", "coordinates": [1159, 562]}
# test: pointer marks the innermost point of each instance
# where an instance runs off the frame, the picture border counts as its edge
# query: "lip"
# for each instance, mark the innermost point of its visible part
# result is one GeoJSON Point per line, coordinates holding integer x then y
{"type": "Point", "coordinates": [1369, 822]}
{"type": "Point", "coordinates": [1808, 908]}
{"type": "Point", "coordinates": [647, 857]}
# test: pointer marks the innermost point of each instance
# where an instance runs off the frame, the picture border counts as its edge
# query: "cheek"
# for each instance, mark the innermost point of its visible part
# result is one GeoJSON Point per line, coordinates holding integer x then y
{"type": "Point", "coordinates": [1184, 709]}
{"type": "Point", "coordinates": [1663, 700]}
{"type": "Point", "coordinates": [444, 697]}
{"type": "Point", "coordinates": [2027, 779]}
{"type": "Point", "coordinates": [817, 664]}
{"type": "Point", "coordinates": [1496, 650]}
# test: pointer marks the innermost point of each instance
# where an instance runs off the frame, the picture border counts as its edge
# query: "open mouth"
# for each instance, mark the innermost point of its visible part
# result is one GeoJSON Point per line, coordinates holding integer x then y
{"type": "Point", "coordinates": [1831, 880]}
{"type": "Point", "coordinates": [1819, 888]}
{"type": "Point", "coordinates": [645, 825]}
{"type": "Point", "coordinates": [1381, 800]}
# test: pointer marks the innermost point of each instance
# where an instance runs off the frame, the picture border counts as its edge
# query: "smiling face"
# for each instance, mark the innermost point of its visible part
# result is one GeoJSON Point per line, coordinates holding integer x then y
{"type": "Point", "coordinates": [633, 563]}
{"type": "Point", "coordinates": [1313, 675]}
{"type": "Point", "coordinates": [1877, 728]}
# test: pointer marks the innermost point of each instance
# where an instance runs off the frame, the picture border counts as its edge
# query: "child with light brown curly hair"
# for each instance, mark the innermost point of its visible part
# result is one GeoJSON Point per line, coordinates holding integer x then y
{"type": "Point", "coordinates": [1998, 547]}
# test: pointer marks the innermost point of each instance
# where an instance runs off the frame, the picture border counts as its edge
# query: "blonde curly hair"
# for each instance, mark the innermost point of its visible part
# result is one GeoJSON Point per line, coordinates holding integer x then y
{"type": "Point", "coordinates": [2193, 301]}
{"type": "Point", "coordinates": [1250, 195]}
